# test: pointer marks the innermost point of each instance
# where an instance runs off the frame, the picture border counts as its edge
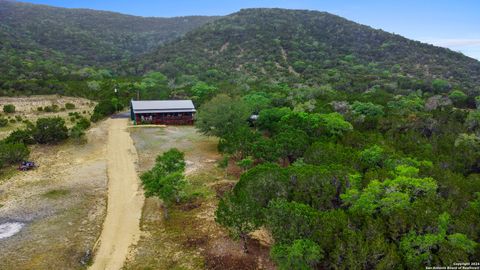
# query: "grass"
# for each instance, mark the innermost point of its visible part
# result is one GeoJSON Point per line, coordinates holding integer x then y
{"type": "Point", "coordinates": [56, 193]}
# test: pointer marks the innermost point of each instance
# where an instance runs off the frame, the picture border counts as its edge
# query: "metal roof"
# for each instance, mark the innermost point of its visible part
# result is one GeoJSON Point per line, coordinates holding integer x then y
{"type": "Point", "coordinates": [153, 106]}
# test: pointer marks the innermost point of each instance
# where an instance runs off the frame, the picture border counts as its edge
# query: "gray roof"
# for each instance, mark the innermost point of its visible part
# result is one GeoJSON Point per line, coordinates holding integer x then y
{"type": "Point", "coordinates": [155, 106]}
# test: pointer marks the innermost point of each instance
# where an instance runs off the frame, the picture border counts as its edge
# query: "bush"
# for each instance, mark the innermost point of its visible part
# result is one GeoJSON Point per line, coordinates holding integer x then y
{"type": "Point", "coordinates": [40, 109]}
{"type": "Point", "coordinates": [103, 109]}
{"type": "Point", "coordinates": [77, 133]}
{"type": "Point", "coordinates": [8, 108]}
{"type": "Point", "coordinates": [11, 153]}
{"type": "Point", "coordinates": [84, 123]}
{"type": "Point", "coordinates": [3, 122]}
{"type": "Point", "coordinates": [20, 136]}
{"type": "Point", "coordinates": [51, 108]}
{"type": "Point", "coordinates": [50, 130]}
{"type": "Point", "coordinates": [69, 106]}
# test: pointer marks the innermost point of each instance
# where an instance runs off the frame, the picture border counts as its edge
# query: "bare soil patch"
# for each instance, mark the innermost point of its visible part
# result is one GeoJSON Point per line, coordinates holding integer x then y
{"type": "Point", "coordinates": [121, 228]}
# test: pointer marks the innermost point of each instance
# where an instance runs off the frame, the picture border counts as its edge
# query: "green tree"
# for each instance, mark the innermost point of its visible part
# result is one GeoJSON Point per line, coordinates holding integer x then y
{"type": "Point", "coordinates": [201, 92]}
{"type": "Point", "coordinates": [166, 180]}
{"type": "Point", "coordinates": [367, 109]}
{"type": "Point", "coordinates": [257, 101]}
{"type": "Point", "coordinates": [23, 136]}
{"type": "Point", "coordinates": [50, 130]}
{"type": "Point", "coordinates": [437, 248]}
{"type": "Point", "coordinates": [221, 115]}
{"type": "Point", "coordinates": [288, 221]}
{"type": "Point", "coordinates": [335, 125]}
{"type": "Point", "coordinates": [303, 254]}
{"type": "Point", "coordinates": [234, 213]}
{"type": "Point", "coordinates": [390, 195]}
{"type": "Point", "coordinates": [373, 157]}
{"type": "Point", "coordinates": [291, 143]}
{"type": "Point", "coordinates": [11, 153]}
{"type": "Point", "coordinates": [268, 118]}
{"type": "Point", "coordinates": [458, 97]}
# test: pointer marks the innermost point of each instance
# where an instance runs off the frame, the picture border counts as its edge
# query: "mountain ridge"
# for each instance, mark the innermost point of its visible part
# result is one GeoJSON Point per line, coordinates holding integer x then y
{"type": "Point", "coordinates": [316, 40]}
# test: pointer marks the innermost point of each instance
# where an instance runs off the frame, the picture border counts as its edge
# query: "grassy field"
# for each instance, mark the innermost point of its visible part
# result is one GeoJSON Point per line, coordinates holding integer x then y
{"type": "Point", "coordinates": [189, 238]}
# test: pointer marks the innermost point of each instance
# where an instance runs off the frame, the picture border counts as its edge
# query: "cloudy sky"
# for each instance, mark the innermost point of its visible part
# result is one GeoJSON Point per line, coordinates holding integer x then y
{"type": "Point", "coordinates": [454, 24]}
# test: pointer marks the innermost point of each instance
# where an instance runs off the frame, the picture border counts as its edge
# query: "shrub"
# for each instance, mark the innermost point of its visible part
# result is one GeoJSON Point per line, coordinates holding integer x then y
{"type": "Point", "coordinates": [20, 136]}
{"type": "Point", "coordinates": [103, 108]}
{"type": "Point", "coordinates": [69, 106]}
{"type": "Point", "coordinates": [11, 153]}
{"type": "Point", "coordinates": [84, 123]}
{"type": "Point", "coordinates": [40, 109]}
{"type": "Point", "coordinates": [3, 122]}
{"type": "Point", "coordinates": [50, 130]}
{"type": "Point", "coordinates": [8, 108]}
{"type": "Point", "coordinates": [77, 133]}
{"type": "Point", "coordinates": [51, 108]}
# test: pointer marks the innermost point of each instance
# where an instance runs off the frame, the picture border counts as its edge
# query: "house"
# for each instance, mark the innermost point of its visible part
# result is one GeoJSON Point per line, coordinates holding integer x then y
{"type": "Point", "coordinates": [166, 112]}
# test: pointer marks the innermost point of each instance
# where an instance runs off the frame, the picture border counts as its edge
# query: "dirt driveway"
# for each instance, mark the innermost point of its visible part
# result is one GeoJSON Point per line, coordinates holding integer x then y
{"type": "Point", "coordinates": [121, 228]}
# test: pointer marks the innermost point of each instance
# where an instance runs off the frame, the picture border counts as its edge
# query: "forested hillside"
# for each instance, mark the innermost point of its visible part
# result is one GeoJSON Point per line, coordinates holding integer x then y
{"type": "Point", "coordinates": [41, 45]}
{"type": "Point", "coordinates": [313, 48]}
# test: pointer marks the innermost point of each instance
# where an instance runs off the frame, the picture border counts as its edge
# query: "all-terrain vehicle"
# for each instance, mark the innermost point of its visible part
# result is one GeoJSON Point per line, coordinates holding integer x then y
{"type": "Point", "coordinates": [27, 165]}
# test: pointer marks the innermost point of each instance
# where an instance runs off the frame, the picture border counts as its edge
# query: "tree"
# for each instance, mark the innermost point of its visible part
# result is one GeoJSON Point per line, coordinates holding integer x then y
{"type": "Point", "coordinates": [458, 97]}
{"type": "Point", "coordinates": [234, 213]}
{"type": "Point", "coordinates": [303, 254]}
{"type": "Point", "coordinates": [201, 92]}
{"type": "Point", "coordinates": [291, 143]}
{"type": "Point", "coordinates": [436, 248]}
{"type": "Point", "coordinates": [50, 130]}
{"type": "Point", "coordinates": [268, 118]}
{"type": "Point", "coordinates": [166, 180]}
{"type": "Point", "coordinates": [334, 125]}
{"type": "Point", "coordinates": [288, 221]}
{"type": "Point", "coordinates": [440, 86]}
{"type": "Point", "coordinates": [390, 195]}
{"type": "Point", "coordinates": [11, 153]}
{"type": "Point", "coordinates": [372, 157]}
{"type": "Point", "coordinates": [154, 85]}
{"type": "Point", "coordinates": [221, 115]}
{"type": "Point", "coordinates": [20, 136]}
{"type": "Point", "coordinates": [8, 108]}
{"type": "Point", "coordinates": [473, 120]}
{"type": "Point", "coordinates": [367, 109]}
{"type": "Point", "coordinates": [257, 101]}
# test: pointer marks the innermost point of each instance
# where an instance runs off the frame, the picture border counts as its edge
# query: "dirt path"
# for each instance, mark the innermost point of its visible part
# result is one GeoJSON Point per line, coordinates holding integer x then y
{"type": "Point", "coordinates": [125, 200]}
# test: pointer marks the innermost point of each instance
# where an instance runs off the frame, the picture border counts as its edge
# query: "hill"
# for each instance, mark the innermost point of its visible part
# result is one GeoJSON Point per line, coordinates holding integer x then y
{"type": "Point", "coordinates": [311, 47]}
{"type": "Point", "coordinates": [41, 42]}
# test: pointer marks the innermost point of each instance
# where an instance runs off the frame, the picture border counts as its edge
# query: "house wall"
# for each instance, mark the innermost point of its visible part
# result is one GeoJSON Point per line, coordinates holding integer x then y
{"type": "Point", "coordinates": [165, 118]}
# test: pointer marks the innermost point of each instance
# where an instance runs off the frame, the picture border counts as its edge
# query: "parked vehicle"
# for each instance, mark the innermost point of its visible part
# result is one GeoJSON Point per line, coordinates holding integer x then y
{"type": "Point", "coordinates": [27, 165]}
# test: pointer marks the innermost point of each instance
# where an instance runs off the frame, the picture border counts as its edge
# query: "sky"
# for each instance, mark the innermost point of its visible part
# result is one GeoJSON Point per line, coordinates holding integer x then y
{"type": "Point", "coordinates": [454, 24]}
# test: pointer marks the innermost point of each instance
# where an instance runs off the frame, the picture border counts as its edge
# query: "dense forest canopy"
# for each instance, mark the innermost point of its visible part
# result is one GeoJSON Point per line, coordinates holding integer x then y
{"type": "Point", "coordinates": [42, 47]}
{"type": "Point", "coordinates": [313, 48]}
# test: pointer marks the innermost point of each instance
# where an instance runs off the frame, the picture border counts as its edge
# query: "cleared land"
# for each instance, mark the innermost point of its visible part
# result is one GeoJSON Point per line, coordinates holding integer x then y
{"type": "Point", "coordinates": [26, 108]}
{"type": "Point", "coordinates": [190, 238]}
{"type": "Point", "coordinates": [62, 204]}
{"type": "Point", "coordinates": [125, 199]}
